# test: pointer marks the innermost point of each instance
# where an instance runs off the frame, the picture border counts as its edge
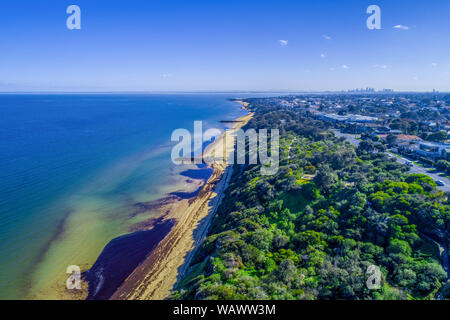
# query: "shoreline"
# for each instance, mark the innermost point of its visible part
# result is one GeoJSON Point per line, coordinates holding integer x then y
{"type": "Point", "coordinates": [155, 277]}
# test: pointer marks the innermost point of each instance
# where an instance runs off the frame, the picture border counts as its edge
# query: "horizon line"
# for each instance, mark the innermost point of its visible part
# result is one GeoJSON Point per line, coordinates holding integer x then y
{"type": "Point", "coordinates": [214, 91]}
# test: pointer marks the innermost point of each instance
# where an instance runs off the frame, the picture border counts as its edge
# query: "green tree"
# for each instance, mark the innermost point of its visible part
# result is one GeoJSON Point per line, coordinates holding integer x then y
{"type": "Point", "coordinates": [440, 136]}
{"type": "Point", "coordinates": [325, 178]}
{"type": "Point", "coordinates": [391, 139]}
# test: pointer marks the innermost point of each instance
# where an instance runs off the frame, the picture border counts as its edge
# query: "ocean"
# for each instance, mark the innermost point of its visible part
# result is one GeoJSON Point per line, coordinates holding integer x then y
{"type": "Point", "coordinates": [72, 166]}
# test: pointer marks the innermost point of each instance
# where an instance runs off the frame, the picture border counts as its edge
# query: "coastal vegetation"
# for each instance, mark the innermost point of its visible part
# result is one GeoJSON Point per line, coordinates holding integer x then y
{"type": "Point", "coordinates": [312, 230]}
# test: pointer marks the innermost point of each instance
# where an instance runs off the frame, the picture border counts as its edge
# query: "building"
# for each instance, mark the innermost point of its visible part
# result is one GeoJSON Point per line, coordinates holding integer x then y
{"type": "Point", "coordinates": [433, 151]}
{"type": "Point", "coordinates": [401, 138]}
{"type": "Point", "coordinates": [407, 148]}
{"type": "Point", "coordinates": [446, 154]}
{"type": "Point", "coordinates": [349, 118]}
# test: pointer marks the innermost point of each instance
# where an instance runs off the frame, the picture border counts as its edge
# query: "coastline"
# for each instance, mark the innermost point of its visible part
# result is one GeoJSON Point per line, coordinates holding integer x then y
{"type": "Point", "coordinates": [113, 189]}
{"type": "Point", "coordinates": [156, 275]}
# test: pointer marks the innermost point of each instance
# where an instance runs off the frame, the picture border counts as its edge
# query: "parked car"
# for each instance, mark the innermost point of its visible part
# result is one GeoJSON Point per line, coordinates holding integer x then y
{"type": "Point", "coordinates": [440, 183]}
{"type": "Point", "coordinates": [409, 163]}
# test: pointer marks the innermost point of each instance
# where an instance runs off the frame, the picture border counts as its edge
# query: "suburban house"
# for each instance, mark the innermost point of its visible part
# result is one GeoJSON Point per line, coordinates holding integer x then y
{"type": "Point", "coordinates": [402, 138]}
{"type": "Point", "coordinates": [407, 148]}
{"type": "Point", "coordinates": [433, 151]}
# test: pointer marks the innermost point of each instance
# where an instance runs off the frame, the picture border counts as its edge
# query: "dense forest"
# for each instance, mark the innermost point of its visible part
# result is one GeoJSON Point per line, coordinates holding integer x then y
{"type": "Point", "coordinates": [312, 230]}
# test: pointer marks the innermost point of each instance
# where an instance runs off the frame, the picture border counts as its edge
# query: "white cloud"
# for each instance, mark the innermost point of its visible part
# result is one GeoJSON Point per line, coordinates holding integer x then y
{"type": "Point", "coordinates": [434, 64]}
{"type": "Point", "coordinates": [381, 66]}
{"type": "Point", "coordinates": [326, 37]}
{"type": "Point", "coordinates": [322, 55]}
{"type": "Point", "coordinates": [166, 75]}
{"type": "Point", "coordinates": [283, 43]}
{"type": "Point", "coordinates": [401, 27]}
{"type": "Point", "coordinates": [345, 66]}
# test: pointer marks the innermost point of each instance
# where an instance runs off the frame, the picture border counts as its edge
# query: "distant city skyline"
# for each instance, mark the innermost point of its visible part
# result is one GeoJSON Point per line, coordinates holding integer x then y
{"type": "Point", "coordinates": [182, 46]}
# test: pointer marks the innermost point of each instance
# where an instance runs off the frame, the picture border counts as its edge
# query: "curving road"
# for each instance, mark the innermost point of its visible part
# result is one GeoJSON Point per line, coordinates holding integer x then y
{"type": "Point", "coordinates": [352, 138]}
{"type": "Point", "coordinates": [419, 169]}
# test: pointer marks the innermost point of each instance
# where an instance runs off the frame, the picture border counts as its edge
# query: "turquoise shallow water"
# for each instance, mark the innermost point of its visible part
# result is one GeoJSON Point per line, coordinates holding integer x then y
{"type": "Point", "coordinates": [71, 167]}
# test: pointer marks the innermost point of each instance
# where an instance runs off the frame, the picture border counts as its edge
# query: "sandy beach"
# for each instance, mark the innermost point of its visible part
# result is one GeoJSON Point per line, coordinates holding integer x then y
{"type": "Point", "coordinates": [156, 276]}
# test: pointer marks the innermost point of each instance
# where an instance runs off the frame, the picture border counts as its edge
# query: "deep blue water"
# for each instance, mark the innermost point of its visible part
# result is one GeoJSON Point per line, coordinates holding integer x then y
{"type": "Point", "coordinates": [60, 153]}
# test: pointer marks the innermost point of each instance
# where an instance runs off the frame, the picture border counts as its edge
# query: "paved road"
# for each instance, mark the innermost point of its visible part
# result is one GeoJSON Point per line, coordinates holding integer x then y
{"type": "Point", "coordinates": [419, 169]}
{"type": "Point", "coordinates": [414, 169]}
{"type": "Point", "coordinates": [350, 137]}
{"type": "Point", "coordinates": [443, 253]}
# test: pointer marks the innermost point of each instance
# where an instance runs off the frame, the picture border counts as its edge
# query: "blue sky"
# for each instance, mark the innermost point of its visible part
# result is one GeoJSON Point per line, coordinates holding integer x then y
{"type": "Point", "coordinates": [224, 45]}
